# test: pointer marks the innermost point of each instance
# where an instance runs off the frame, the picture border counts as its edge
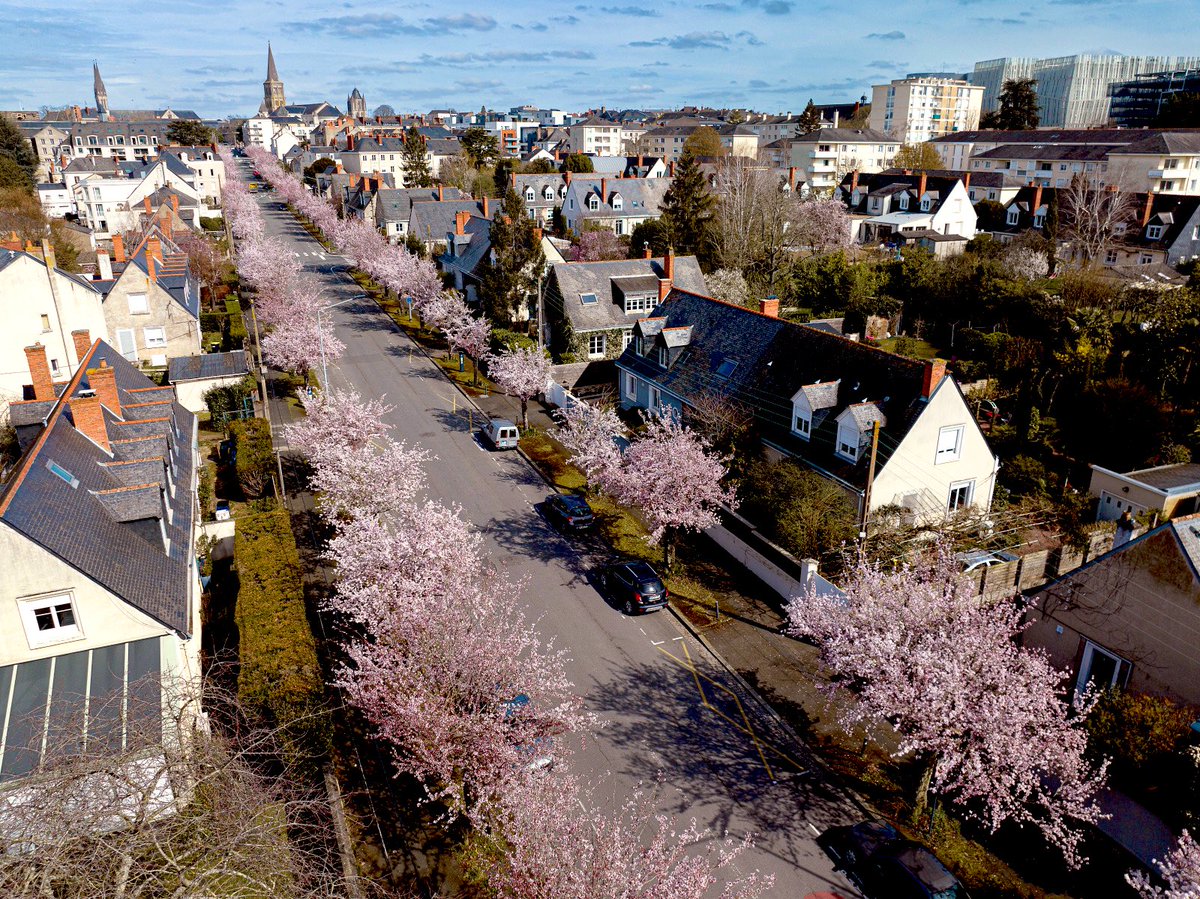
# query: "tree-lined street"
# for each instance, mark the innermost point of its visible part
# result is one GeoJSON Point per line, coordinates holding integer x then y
{"type": "Point", "coordinates": [668, 707]}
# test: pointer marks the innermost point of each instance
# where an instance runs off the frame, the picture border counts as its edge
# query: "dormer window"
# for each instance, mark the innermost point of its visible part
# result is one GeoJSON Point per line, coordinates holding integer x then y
{"type": "Point", "coordinates": [802, 423]}
{"type": "Point", "coordinates": [1014, 215]}
{"type": "Point", "coordinates": [904, 202]}
{"type": "Point", "coordinates": [593, 201]}
{"type": "Point", "coordinates": [529, 194]}
{"type": "Point", "coordinates": [661, 356]}
{"type": "Point", "coordinates": [926, 204]}
{"type": "Point", "coordinates": [548, 193]}
{"type": "Point", "coordinates": [1154, 232]}
{"type": "Point", "coordinates": [617, 202]}
{"type": "Point", "coordinates": [1039, 220]}
{"type": "Point", "coordinates": [847, 443]}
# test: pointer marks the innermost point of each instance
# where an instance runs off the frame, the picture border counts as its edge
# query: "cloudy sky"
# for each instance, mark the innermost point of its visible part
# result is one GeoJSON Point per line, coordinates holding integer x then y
{"type": "Point", "coordinates": [773, 55]}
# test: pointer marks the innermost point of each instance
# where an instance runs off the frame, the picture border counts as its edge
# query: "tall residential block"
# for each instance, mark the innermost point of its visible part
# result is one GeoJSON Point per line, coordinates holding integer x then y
{"type": "Point", "coordinates": [920, 107]}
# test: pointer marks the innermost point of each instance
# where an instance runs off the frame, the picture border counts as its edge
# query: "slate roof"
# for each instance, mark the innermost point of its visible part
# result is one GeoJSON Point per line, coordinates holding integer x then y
{"type": "Point", "coordinates": [91, 527]}
{"type": "Point", "coordinates": [570, 280]}
{"type": "Point", "coordinates": [822, 395]}
{"type": "Point", "coordinates": [641, 197]}
{"type": "Point", "coordinates": [209, 365]}
{"type": "Point", "coordinates": [172, 273]}
{"type": "Point", "coordinates": [774, 360]}
{"type": "Point", "coordinates": [845, 136]}
{"type": "Point", "coordinates": [472, 249]}
{"type": "Point", "coordinates": [1063, 152]}
{"type": "Point", "coordinates": [395, 204]}
{"type": "Point", "coordinates": [434, 220]}
{"type": "Point", "coordinates": [1187, 531]}
{"type": "Point", "coordinates": [890, 183]}
{"type": "Point", "coordinates": [1045, 135]}
{"type": "Point", "coordinates": [555, 181]}
{"type": "Point", "coordinates": [1167, 142]}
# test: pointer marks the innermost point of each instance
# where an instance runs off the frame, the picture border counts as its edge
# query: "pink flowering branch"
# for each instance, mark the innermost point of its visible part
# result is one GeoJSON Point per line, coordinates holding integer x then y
{"type": "Point", "coordinates": [1179, 872]}
{"type": "Point", "coordinates": [523, 373]}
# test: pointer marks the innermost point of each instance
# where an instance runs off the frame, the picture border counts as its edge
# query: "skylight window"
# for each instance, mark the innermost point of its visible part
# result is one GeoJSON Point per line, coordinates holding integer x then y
{"type": "Point", "coordinates": [588, 299]}
{"type": "Point", "coordinates": [726, 368]}
{"type": "Point", "coordinates": [62, 473]}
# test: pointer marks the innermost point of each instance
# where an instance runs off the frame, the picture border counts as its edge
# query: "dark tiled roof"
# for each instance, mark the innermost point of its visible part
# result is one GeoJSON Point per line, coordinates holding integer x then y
{"type": "Point", "coordinates": [1165, 477]}
{"type": "Point", "coordinates": [1065, 152]}
{"type": "Point", "coordinates": [210, 365]}
{"type": "Point", "coordinates": [395, 204]}
{"type": "Point", "coordinates": [82, 525]}
{"type": "Point", "coordinates": [775, 359]}
{"type": "Point", "coordinates": [433, 221]}
{"type": "Point", "coordinates": [570, 280]}
{"type": "Point", "coordinates": [1045, 135]}
{"type": "Point", "coordinates": [845, 136]}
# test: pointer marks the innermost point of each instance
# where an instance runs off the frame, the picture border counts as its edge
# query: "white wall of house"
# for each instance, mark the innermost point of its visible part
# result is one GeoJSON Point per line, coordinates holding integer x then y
{"type": "Point", "coordinates": [32, 313]}
{"type": "Point", "coordinates": [926, 469]}
{"type": "Point", "coordinates": [191, 393]}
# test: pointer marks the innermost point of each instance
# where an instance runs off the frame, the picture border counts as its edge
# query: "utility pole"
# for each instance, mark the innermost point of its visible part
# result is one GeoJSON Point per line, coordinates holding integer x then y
{"type": "Point", "coordinates": [870, 480]}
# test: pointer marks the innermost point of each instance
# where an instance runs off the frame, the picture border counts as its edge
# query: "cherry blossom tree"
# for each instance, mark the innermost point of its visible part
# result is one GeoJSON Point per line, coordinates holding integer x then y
{"type": "Point", "coordinates": [983, 715]}
{"type": "Point", "coordinates": [668, 474]}
{"type": "Point", "coordinates": [523, 372]}
{"type": "Point", "coordinates": [337, 419]}
{"type": "Point", "coordinates": [598, 245]}
{"type": "Point", "coordinates": [559, 843]}
{"type": "Point", "coordinates": [820, 225]}
{"type": "Point", "coordinates": [1180, 872]}
{"type": "Point", "coordinates": [465, 331]}
{"type": "Point", "coordinates": [591, 433]}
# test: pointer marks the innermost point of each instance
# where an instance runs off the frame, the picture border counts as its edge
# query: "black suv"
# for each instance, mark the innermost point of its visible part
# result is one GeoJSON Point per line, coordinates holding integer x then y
{"type": "Point", "coordinates": [884, 865]}
{"type": "Point", "coordinates": [635, 586]}
{"type": "Point", "coordinates": [569, 513]}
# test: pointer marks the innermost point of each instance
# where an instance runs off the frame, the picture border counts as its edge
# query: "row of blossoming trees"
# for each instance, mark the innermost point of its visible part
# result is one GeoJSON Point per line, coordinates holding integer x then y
{"type": "Point", "coordinates": [442, 659]}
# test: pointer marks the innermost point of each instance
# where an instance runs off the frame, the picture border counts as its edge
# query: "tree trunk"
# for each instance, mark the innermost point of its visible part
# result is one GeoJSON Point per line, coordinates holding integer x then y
{"type": "Point", "coordinates": [524, 414]}
{"type": "Point", "coordinates": [921, 815]}
{"type": "Point", "coordinates": [475, 372]}
{"type": "Point", "coordinates": [668, 551]}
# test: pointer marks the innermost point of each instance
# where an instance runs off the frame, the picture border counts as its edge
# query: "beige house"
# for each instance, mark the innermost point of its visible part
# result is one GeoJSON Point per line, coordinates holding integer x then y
{"type": "Point", "coordinates": [823, 157]}
{"type": "Point", "coordinates": [152, 306]}
{"type": "Point", "coordinates": [1165, 163]}
{"type": "Point", "coordinates": [41, 304]}
{"type": "Point", "coordinates": [1131, 618]}
{"type": "Point", "coordinates": [1166, 491]}
{"type": "Point", "coordinates": [99, 588]}
{"type": "Point", "coordinates": [596, 137]}
{"type": "Point", "coordinates": [914, 110]}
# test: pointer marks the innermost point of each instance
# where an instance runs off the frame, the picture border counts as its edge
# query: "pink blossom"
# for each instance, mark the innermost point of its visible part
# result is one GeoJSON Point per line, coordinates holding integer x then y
{"type": "Point", "coordinates": [926, 657]}
{"type": "Point", "coordinates": [821, 225]}
{"type": "Point", "coordinates": [1180, 872]}
{"type": "Point", "coordinates": [523, 372]}
{"type": "Point", "coordinates": [336, 419]}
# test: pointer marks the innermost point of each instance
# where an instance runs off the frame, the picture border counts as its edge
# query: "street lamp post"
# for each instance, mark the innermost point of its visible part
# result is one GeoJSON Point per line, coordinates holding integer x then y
{"type": "Point", "coordinates": [321, 338]}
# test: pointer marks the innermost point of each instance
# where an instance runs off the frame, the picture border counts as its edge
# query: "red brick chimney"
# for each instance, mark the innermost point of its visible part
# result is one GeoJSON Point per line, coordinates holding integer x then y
{"type": "Point", "coordinates": [671, 169]}
{"type": "Point", "coordinates": [83, 342]}
{"type": "Point", "coordinates": [103, 381]}
{"type": "Point", "coordinates": [349, 142]}
{"type": "Point", "coordinates": [1148, 209]}
{"type": "Point", "coordinates": [146, 205]}
{"type": "Point", "coordinates": [485, 208]}
{"type": "Point", "coordinates": [921, 185]}
{"type": "Point", "coordinates": [664, 288]}
{"type": "Point", "coordinates": [935, 370]}
{"type": "Point", "coordinates": [118, 243]}
{"type": "Point", "coordinates": [88, 416]}
{"type": "Point", "coordinates": [603, 190]}
{"type": "Point", "coordinates": [441, 196]}
{"type": "Point", "coordinates": [460, 221]}
{"type": "Point", "coordinates": [39, 372]}
{"type": "Point", "coordinates": [175, 203]}
{"type": "Point", "coordinates": [567, 178]}
{"type": "Point", "coordinates": [151, 276]}
{"type": "Point", "coordinates": [646, 254]}
{"type": "Point", "coordinates": [1037, 199]}
{"type": "Point", "coordinates": [854, 181]}
{"type": "Point", "coordinates": [154, 248]}
{"type": "Point", "coordinates": [791, 177]}
{"type": "Point", "coordinates": [967, 181]}
{"type": "Point", "coordinates": [769, 307]}
{"type": "Point", "coordinates": [669, 264]}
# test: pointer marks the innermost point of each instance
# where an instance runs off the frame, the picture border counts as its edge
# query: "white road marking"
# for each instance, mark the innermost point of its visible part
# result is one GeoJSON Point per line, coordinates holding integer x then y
{"type": "Point", "coordinates": [657, 642]}
{"type": "Point", "coordinates": [677, 638]}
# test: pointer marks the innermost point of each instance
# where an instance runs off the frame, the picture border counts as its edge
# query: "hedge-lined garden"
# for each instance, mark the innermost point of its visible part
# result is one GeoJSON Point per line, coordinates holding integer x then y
{"type": "Point", "coordinates": [280, 676]}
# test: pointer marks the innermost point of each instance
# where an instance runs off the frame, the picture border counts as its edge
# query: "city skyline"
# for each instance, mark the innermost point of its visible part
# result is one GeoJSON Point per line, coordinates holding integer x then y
{"type": "Point", "coordinates": [763, 54]}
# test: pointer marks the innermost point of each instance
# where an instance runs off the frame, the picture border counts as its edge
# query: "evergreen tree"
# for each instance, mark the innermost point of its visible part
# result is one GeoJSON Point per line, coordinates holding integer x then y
{"type": "Point", "coordinates": [416, 162]}
{"type": "Point", "coordinates": [810, 119]}
{"type": "Point", "coordinates": [518, 261]}
{"type": "Point", "coordinates": [187, 133]}
{"type": "Point", "coordinates": [1018, 107]}
{"type": "Point", "coordinates": [687, 211]}
{"type": "Point", "coordinates": [578, 163]}
{"type": "Point", "coordinates": [20, 162]}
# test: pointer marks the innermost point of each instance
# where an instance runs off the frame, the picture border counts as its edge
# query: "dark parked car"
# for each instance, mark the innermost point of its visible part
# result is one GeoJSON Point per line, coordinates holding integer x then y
{"type": "Point", "coordinates": [569, 513]}
{"type": "Point", "coordinates": [635, 586]}
{"type": "Point", "coordinates": [884, 865]}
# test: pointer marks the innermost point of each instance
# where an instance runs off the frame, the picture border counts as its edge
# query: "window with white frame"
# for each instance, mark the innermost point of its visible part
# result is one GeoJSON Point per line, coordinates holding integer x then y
{"type": "Point", "coordinates": [1145, 259]}
{"type": "Point", "coordinates": [639, 304]}
{"type": "Point", "coordinates": [593, 201]}
{"type": "Point", "coordinates": [1039, 220]}
{"type": "Point", "coordinates": [655, 398]}
{"type": "Point", "coordinates": [802, 423]}
{"type": "Point", "coordinates": [847, 441]}
{"type": "Point", "coordinates": [548, 193]}
{"type": "Point", "coordinates": [1154, 232]}
{"type": "Point", "coordinates": [529, 194]}
{"type": "Point", "coordinates": [630, 386]}
{"type": "Point", "coordinates": [1110, 257]}
{"type": "Point", "coordinates": [154, 337]}
{"type": "Point", "coordinates": [1013, 215]}
{"type": "Point", "coordinates": [49, 619]}
{"type": "Point", "coordinates": [596, 345]}
{"type": "Point", "coordinates": [961, 494]}
{"type": "Point", "coordinates": [949, 445]}
{"type": "Point", "coordinates": [138, 304]}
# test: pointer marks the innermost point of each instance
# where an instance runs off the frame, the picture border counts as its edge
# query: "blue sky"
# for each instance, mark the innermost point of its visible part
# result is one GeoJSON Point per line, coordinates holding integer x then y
{"type": "Point", "coordinates": [210, 55]}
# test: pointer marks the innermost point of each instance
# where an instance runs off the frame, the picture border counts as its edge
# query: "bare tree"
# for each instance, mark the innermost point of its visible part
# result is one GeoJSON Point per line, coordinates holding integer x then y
{"type": "Point", "coordinates": [165, 805]}
{"type": "Point", "coordinates": [753, 214]}
{"type": "Point", "coordinates": [1093, 216]}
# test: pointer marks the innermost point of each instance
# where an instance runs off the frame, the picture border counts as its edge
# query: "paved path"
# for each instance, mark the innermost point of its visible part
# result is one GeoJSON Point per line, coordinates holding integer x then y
{"type": "Point", "coordinates": [667, 703]}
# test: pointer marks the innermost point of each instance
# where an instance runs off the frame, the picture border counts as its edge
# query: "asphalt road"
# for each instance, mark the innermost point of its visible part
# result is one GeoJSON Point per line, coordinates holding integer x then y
{"type": "Point", "coordinates": [669, 708]}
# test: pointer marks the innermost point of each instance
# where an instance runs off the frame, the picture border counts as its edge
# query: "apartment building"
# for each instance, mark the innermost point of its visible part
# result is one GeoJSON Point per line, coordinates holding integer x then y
{"type": "Point", "coordinates": [596, 137]}
{"type": "Point", "coordinates": [821, 158]}
{"type": "Point", "coordinates": [920, 108]}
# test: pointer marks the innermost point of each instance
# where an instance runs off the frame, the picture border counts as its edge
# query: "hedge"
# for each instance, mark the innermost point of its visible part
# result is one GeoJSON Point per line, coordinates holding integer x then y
{"type": "Point", "coordinates": [213, 321]}
{"type": "Point", "coordinates": [237, 324]}
{"type": "Point", "coordinates": [280, 676]}
{"type": "Point", "coordinates": [255, 456]}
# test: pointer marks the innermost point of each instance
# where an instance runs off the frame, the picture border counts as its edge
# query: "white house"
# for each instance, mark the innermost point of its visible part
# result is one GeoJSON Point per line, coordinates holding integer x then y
{"type": "Point", "coordinates": [618, 204]}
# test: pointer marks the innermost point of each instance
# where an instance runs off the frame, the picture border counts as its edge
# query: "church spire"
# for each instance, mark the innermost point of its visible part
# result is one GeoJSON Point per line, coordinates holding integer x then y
{"type": "Point", "coordinates": [100, 92]}
{"type": "Point", "coordinates": [272, 75]}
{"type": "Point", "coordinates": [273, 96]}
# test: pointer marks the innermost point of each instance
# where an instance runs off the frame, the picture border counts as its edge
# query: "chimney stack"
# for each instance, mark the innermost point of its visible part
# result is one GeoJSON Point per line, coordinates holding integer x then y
{"type": "Point", "coordinates": [664, 288]}
{"type": "Point", "coordinates": [118, 243]}
{"type": "Point", "coordinates": [854, 181]}
{"type": "Point", "coordinates": [83, 342]}
{"type": "Point", "coordinates": [485, 208]}
{"type": "Point", "coordinates": [460, 221]}
{"type": "Point", "coordinates": [151, 277]}
{"type": "Point", "coordinates": [669, 264]}
{"type": "Point", "coordinates": [175, 203]}
{"type": "Point", "coordinates": [1037, 200]}
{"type": "Point", "coordinates": [646, 254]}
{"type": "Point", "coordinates": [603, 190]}
{"type": "Point", "coordinates": [349, 142]}
{"type": "Point", "coordinates": [935, 370]}
{"type": "Point", "coordinates": [39, 372]}
{"type": "Point", "coordinates": [967, 181]}
{"type": "Point", "coordinates": [769, 307]}
{"type": "Point", "coordinates": [567, 178]}
{"type": "Point", "coordinates": [1148, 209]}
{"type": "Point", "coordinates": [103, 266]}
{"type": "Point", "coordinates": [791, 177]}
{"type": "Point", "coordinates": [48, 257]}
{"type": "Point", "coordinates": [154, 248]}
{"type": "Point", "coordinates": [146, 205]}
{"type": "Point", "coordinates": [88, 416]}
{"type": "Point", "coordinates": [671, 169]}
{"type": "Point", "coordinates": [921, 185]}
{"type": "Point", "coordinates": [441, 195]}
{"type": "Point", "coordinates": [103, 381]}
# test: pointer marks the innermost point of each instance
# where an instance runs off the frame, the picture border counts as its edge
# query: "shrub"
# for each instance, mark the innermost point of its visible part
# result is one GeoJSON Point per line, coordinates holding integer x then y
{"type": "Point", "coordinates": [1026, 476]}
{"type": "Point", "coordinates": [255, 457]}
{"type": "Point", "coordinates": [279, 674]}
{"type": "Point", "coordinates": [505, 339]}
{"type": "Point", "coordinates": [212, 223]}
{"type": "Point", "coordinates": [1134, 729]}
{"type": "Point", "coordinates": [803, 512]}
{"type": "Point", "coordinates": [213, 321]}
{"type": "Point", "coordinates": [237, 324]}
{"type": "Point", "coordinates": [228, 398]}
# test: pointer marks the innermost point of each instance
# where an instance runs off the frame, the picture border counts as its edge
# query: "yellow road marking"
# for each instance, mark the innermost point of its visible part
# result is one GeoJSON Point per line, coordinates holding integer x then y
{"type": "Point", "coordinates": [744, 725]}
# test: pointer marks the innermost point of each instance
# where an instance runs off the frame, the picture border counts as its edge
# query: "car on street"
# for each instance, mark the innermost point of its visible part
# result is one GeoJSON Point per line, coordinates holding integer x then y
{"type": "Point", "coordinates": [500, 434]}
{"type": "Point", "coordinates": [982, 558]}
{"type": "Point", "coordinates": [884, 865]}
{"type": "Point", "coordinates": [569, 513]}
{"type": "Point", "coordinates": [635, 587]}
